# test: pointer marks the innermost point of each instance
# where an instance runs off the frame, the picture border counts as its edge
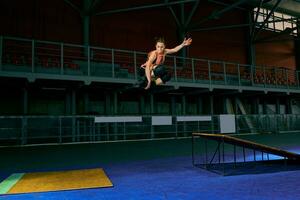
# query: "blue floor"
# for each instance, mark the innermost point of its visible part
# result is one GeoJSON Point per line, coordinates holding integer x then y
{"type": "Point", "coordinates": [176, 178]}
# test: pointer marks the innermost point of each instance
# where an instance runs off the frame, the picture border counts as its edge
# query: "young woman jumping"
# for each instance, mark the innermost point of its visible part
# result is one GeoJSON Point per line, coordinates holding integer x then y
{"type": "Point", "coordinates": [154, 67]}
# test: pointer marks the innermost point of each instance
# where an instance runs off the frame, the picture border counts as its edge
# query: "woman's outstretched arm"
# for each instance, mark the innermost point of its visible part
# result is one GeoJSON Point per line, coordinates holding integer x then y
{"type": "Point", "coordinates": [186, 42]}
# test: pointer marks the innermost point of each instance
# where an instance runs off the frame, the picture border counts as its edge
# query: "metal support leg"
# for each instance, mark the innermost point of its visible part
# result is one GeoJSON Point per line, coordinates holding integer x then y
{"type": "Point", "coordinates": [244, 154]}
{"type": "Point", "coordinates": [206, 154]}
{"type": "Point", "coordinates": [213, 157]}
{"type": "Point", "coordinates": [223, 157]}
{"type": "Point", "coordinates": [234, 149]}
{"type": "Point", "coordinates": [193, 158]}
{"type": "Point", "coordinates": [219, 153]}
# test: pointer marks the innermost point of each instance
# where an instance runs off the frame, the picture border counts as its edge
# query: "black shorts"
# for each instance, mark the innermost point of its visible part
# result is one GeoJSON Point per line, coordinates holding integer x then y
{"type": "Point", "coordinates": [160, 71]}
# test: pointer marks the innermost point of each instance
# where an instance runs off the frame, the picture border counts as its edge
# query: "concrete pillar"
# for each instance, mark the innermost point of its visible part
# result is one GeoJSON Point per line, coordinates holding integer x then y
{"type": "Point", "coordinates": [173, 106]}
{"type": "Point", "coordinates": [183, 100]}
{"type": "Point", "coordinates": [211, 103]}
{"type": "Point", "coordinates": [142, 105]}
{"type": "Point", "coordinates": [86, 101]}
{"type": "Point", "coordinates": [152, 104]}
{"type": "Point", "coordinates": [67, 103]}
{"type": "Point", "coordinates": [277, 106]}
{"type": "Point", "coordinates": [107, 104]}
{"type": "Point", "coordinates": [115, 103]}
{"type": "Point", "coordinates": [25, 101]}
{"type": "Point", "coordinates": [251, 58]}
{"type": "Point", "coordinates": [200, 105]}
{"type": "Point", "coordinates": [73, 100]}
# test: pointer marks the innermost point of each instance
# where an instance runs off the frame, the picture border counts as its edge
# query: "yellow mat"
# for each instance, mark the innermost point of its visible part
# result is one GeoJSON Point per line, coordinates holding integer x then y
{"type": "Point", "coordinates": [62, 180]}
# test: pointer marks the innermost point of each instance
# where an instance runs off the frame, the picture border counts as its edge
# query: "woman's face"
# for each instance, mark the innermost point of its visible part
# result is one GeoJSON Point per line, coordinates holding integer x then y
{"type": "Point", "coordinates": [160, 47]}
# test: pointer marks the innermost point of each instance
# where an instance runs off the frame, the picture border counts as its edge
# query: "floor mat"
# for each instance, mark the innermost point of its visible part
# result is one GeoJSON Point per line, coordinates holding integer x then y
{"type": "Point", "coordinates": [54, 181]}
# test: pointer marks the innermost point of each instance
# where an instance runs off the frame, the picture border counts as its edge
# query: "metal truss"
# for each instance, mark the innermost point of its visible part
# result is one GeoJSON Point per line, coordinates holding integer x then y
{"type": "Point", "coordinates": [255, 34]}
{"type": "Point", "coordinates": [164, 4]}
{"type": "Point", "coordinates": [183, 15]}
{"type": "Point", "coordinates": [217, 14]}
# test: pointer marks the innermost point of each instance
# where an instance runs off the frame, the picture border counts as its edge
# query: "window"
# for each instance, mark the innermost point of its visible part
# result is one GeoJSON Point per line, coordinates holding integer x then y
{"type": "Point", "coordinates": [278, 25]}
{"type": "Point", "coordinates": [276, 22]}
{"type": "Point", "coordinates": [260, 18]}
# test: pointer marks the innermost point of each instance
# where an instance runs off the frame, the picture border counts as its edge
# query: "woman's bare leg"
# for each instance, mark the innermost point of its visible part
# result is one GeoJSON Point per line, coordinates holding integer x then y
{"type": "Point", "coordinates": [148, 76]}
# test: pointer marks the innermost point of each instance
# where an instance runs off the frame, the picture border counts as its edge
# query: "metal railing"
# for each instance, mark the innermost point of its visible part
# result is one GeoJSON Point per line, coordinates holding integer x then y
{"type": "Point", "coordinates": [25, 130]}
{"type": "Point", "coordinates": [268, 123]}
{"type": "Point", "coordinates": [34, 56]}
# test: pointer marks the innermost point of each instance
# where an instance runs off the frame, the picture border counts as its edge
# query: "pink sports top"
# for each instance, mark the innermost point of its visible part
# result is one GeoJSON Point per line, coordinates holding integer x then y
{"type": "Point", "coordinates": [160, 58]}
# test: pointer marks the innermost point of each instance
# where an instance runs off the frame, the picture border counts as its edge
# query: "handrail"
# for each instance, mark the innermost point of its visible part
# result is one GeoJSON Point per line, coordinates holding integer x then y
{"type": "Point", "coordinates": [142, 115]}
{"type": "Point", "coordinates": [25, 129]}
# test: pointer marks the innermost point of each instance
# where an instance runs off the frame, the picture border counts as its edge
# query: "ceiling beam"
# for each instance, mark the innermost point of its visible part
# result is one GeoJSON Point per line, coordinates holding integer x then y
{"type": "Point", "coordinates": [74, 6]}
{"type": "Point", "coordinates": [226, 4]}
{"type": "Point", "coordinates": [217, 14]}
{"type": "Point", "coordinates": [184, 22]}
{"type": "Point", "coordinates": [220, 27]}
{"type": "Point", "coordinates": [94, 4]}
{"type": "Point", "coordinates": [143, 7]}
{"type": "Point", "coordinates": [239, 25]}
{"type": "Point", "coordinates": [256, 17]}
{"type": "Point", "coordinates": [174, 15]}
{"type": "Point", "coordinates": [192, 12]}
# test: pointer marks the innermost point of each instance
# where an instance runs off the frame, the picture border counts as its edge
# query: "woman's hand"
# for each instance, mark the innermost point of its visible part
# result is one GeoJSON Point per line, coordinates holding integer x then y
{"type": "Point", "coordinates": [187, 42]}
{"type": "Point", "coordinates": [143, 65]}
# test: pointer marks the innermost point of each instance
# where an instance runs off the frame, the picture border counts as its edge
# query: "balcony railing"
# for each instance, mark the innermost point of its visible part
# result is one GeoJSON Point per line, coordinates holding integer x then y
{"type": "Point", "coordinates": [34, 56]}
{"type": "Point", "coordinates": [27, 130]}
